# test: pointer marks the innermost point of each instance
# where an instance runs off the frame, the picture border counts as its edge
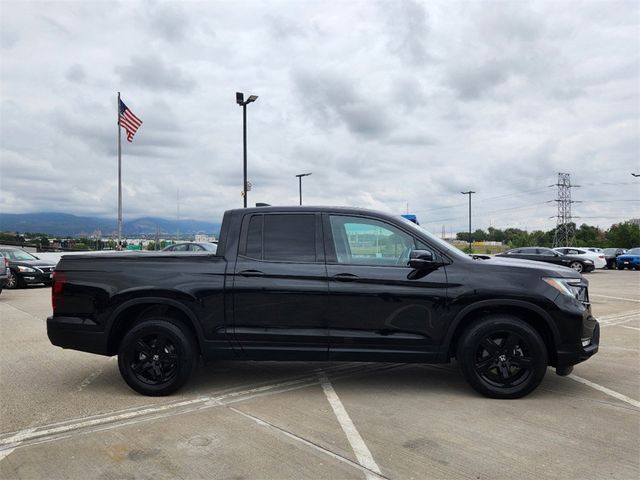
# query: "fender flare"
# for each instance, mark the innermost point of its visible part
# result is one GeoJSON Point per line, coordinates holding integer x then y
{"type": "Point", "coordinates": [502, 303]}
{"type": "Point", "coordinates": [153, 300]}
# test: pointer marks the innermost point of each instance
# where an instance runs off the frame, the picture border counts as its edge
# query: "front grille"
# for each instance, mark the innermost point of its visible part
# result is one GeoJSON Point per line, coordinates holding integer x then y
{"type": "Point", "coordinates": [46, 269]}
{"type": "Point", "coordinates": [582, 294]}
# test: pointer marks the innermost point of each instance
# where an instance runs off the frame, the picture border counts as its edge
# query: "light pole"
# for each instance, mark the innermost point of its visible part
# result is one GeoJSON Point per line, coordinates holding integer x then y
{"type": "Point", "coordinates": [469, 193]}
{"type": "Point", "coordinates": [300, 175]}
{"type": "Point", "coordinates": [243, 103]}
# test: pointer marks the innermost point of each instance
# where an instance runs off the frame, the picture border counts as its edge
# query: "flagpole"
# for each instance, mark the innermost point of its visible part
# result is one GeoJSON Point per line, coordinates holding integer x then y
{"type": "Point", "coordinates": [119, 246]}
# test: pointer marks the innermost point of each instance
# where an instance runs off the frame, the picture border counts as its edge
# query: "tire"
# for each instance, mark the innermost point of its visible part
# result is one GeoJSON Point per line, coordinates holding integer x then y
{"type": "Point", "coordinates": [156, 357]}
{"type": "Point", "coordinates": [512, 371]}
{"type": "Point", "coordinates": [577, 266]}
{"type": "Point", "coordinates": [14, 281]}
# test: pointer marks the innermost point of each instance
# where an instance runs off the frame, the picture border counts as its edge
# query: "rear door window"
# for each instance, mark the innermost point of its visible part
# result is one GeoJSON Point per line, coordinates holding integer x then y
{"type": "Point", "coordinates": [282, 237]}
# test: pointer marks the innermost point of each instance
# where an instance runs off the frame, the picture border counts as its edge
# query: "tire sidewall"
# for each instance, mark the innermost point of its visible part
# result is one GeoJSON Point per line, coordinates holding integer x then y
{"type": "Point", "coordinates": [185, 346]}
{"type": "Point", "coordinates": [469, 343]}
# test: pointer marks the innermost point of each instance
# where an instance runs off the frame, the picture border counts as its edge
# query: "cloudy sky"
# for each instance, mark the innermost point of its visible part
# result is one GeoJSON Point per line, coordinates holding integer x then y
{"type": "Point", "coordinates": [391, 104]}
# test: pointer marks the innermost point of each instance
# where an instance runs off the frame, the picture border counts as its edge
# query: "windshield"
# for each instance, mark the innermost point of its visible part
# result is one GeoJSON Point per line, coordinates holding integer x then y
{"type": "Point", "coordinates": [17, 255]}
{"type": "Point", "coordinates": [445, 246]}
{"type": "Point", "coordinates": [633, 251]}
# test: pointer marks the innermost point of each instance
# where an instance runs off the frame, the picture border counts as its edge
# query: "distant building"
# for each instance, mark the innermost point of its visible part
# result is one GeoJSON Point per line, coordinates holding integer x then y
{"type": "Point", "coordinates": [205, 238]}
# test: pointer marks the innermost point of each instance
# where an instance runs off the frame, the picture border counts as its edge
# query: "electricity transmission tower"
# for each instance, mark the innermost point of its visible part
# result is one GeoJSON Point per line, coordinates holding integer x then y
{"type": "Point", "coordinates": [565, 234]}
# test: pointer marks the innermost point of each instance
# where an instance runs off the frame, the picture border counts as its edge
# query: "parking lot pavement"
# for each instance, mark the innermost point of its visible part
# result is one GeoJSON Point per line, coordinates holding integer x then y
{"type": "Point", "coordinates": [67, 414]}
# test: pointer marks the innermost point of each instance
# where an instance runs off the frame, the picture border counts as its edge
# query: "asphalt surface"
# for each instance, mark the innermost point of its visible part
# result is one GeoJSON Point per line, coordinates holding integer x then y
{"type": "Point", "coordinates": [68, 415]}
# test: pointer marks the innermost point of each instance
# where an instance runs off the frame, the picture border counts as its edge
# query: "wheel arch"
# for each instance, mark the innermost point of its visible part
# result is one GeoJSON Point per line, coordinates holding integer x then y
{"type": "Point", "coordinates": [532, 314]}
{"type": "Point", "coordinates": [133, 311]}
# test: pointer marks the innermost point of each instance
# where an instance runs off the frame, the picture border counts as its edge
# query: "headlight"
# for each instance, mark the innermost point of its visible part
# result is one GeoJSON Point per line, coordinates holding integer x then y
{"type": "Point", "coordinates": [567, 286]}
{"type": "Point", "coordinates": [25, 269]}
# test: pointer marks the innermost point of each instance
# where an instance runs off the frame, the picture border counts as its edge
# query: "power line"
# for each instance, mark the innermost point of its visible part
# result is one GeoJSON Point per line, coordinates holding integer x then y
{"type": "Point", "coordinates": [608, 183]}
{"type": "Point", "coordinates": [484, 213]}
{"type": "Point", "coordinates": [612, 201]}
{"type": "Point", "coordinates": [484, 200]}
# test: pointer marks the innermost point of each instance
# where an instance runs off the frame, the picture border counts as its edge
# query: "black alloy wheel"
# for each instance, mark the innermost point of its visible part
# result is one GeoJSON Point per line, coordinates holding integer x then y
{"type": "Point", "coordinates": [502, 357]}
{"type": "Point", "coordinates": [577, 266]}
{"type": "Point", "coordinates": [156, 357]}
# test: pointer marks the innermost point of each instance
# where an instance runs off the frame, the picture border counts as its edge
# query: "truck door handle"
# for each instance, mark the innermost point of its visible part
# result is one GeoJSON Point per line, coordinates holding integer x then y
{"type": "Point", "coordinates": [251, 273]}
{"type": "Point", "coordinates": [345, 277]}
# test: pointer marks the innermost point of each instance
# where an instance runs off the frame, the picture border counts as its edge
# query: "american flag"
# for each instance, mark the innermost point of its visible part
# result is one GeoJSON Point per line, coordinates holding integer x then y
{"type": "Point", "coordinates": [129, 121]}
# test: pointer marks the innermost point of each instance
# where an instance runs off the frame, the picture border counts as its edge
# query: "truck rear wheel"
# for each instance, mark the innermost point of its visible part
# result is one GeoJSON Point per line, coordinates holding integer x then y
{"type": "Point", "coordinates": [156, 357]}
{"type": "Point", "coordinates": [502, 356]}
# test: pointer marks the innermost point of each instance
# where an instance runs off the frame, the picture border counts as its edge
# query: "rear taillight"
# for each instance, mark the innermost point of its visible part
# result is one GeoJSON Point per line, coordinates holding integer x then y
{"type": "Point", "coordinates": [57, 286]}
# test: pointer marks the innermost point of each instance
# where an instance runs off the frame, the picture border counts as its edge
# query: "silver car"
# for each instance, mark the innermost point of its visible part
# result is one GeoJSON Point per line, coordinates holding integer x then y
{"type": "Point", "coordinates": [4, 272]}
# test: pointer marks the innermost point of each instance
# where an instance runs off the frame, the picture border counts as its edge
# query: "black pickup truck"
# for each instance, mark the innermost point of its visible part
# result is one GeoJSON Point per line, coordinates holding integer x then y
{"type": "Point", "coordinates": [312, 283]}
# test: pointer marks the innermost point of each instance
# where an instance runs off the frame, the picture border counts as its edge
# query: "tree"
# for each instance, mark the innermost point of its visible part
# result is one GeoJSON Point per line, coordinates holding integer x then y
{"type": "Point", "coordinates": [479, 235]}
{"type": "Point", "coordinates": [495, 235]}
{"type": "Point", "coordinates": [519, 239]}
{"type": "Point", "coordinates": [588, 236]}
{"type": "Point", "coordinates": [624, 235]}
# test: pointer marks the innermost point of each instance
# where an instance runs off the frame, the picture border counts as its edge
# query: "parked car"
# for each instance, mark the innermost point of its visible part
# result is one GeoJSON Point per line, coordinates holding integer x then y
{"type": "Point", "coordinates": [192, 247]}
{"type": "Point", "coordinates": [610, 255]}
{"type": "Point", "coordinates": [4, 272]}
{"type": "Point", "coordinates": [542, 254]}
{"type": "Point", "coordinates": [630, 259]}
{"type": "Point", "coordinates": [597, 258]}
{"type": "Point", "coordinates": [328, 284]}
{"type": "Point", "coordinates": [26, 269]}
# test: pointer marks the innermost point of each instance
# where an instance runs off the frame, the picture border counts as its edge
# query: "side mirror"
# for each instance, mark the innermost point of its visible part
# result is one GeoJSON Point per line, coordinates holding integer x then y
{"type": "Point", "coordinates": [420, 259]}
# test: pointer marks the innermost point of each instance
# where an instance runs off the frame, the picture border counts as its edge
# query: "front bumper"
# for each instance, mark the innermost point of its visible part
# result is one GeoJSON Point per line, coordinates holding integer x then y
{"type": "Point", "coordinates": [31, 278]}
{"type": "Point", "coordinates": [569, 355]}
{"type": "Point", "coordinates": [77, 333]}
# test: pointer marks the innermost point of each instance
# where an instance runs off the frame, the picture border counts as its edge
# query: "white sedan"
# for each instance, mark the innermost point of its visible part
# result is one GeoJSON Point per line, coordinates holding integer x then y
{"type": "Point", "coordinates": [596, 257]}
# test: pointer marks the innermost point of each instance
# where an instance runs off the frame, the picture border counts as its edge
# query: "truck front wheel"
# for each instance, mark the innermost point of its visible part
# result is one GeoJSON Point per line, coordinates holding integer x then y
{"type": "Point", "coordinates": [156, 357]}
{"type": "Point", "coordinates": [502, 356]}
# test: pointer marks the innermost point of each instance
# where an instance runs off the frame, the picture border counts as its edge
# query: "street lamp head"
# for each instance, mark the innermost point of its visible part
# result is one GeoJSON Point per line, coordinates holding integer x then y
{"type": "Point", "coordinates": [252, 98]}
{"type": "Point", "coordinates": [303, 174]}
{"type": "Point", "coordinates": [240, 98]}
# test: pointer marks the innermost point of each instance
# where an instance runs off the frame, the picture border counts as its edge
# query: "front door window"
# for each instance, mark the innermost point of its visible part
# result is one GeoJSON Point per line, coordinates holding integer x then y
{"type": "Point", "coordinates": [363, 241]}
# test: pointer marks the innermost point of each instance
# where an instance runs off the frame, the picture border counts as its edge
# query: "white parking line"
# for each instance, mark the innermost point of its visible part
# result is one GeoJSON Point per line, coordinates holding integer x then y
{"type": "Point", "coordinates": [618, 318]}
{"type": "Point", "coordinates": [630, 328]}
{"type": "Point", "coordinates": [606, 390]}
{"type": "Point", "coordinates": [615, 298]}
{"type": "Point", "coordinates": [355, 440]}
{"type": "Point", "coordinates": [613, 316]}
{"type": "Point", "coordinates": [57, 431]}
{"type": "Point", "coordinates": [259, 421]}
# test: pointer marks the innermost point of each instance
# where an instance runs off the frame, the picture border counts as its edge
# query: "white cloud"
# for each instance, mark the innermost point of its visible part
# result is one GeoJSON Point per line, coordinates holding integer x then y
{"type": "Point", "coordinates": [385, 102]}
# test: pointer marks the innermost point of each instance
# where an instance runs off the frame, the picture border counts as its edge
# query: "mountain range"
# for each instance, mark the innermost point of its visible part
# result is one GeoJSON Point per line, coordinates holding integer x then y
{"type": "Point", "coordinates": [63, 224]}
